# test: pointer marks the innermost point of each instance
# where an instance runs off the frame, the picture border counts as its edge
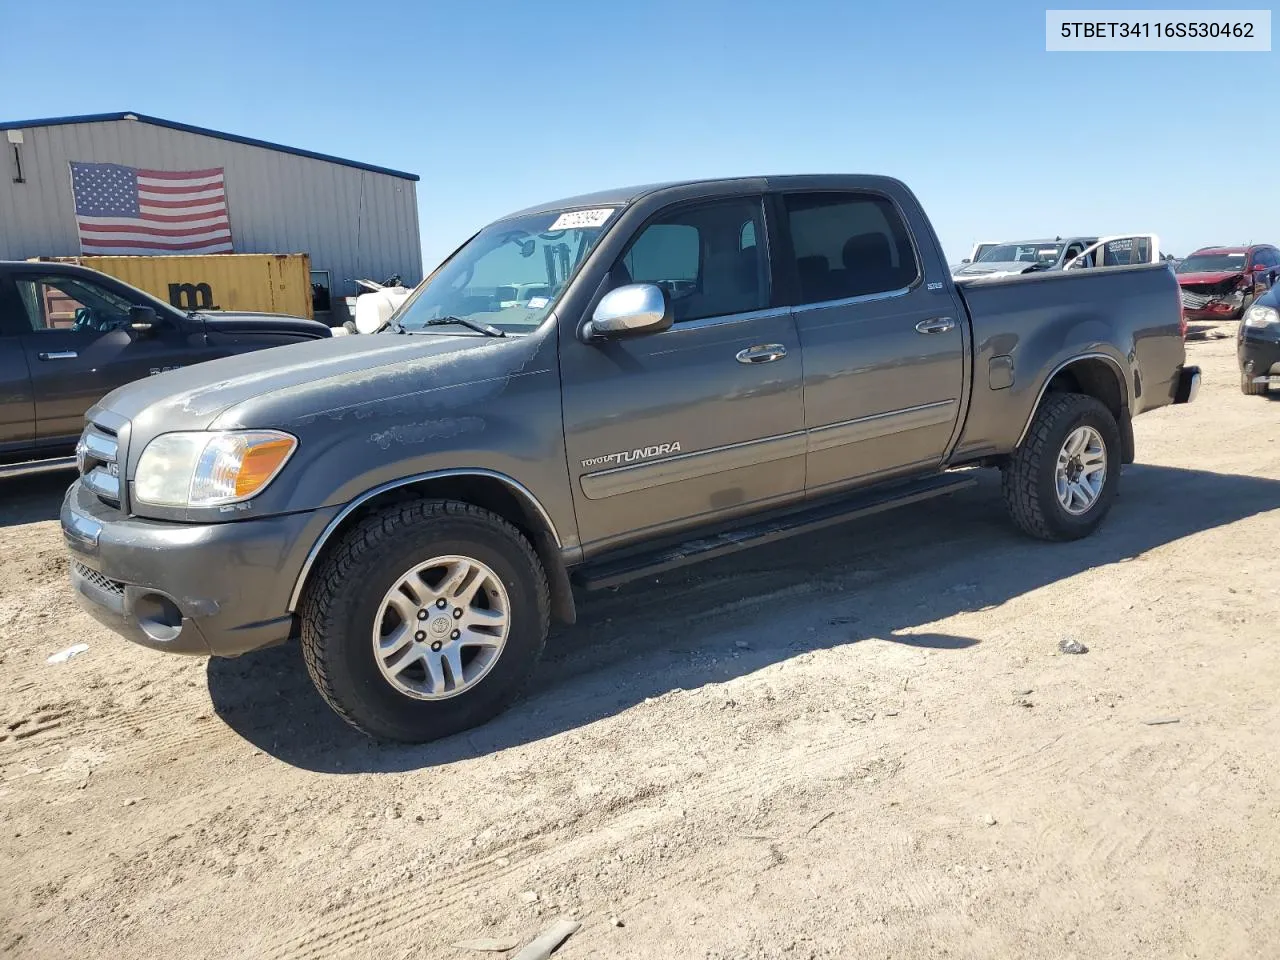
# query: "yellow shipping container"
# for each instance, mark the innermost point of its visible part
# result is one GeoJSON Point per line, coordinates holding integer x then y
{"type": "Point", "coordinates": [259, 282]}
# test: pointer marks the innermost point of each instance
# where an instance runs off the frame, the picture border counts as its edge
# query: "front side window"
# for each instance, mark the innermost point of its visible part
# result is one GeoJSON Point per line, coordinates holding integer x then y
{"type": "Point", "coordinates": [848, 245]}
{"type": "Point", "coordinates": [510, 274]}
{"type": "Point", "coordinates": [1126, 250]}
{"type": "Point", "coordinates": [706, 258]}
{"type": "Point", "coordinates": [69, 303]}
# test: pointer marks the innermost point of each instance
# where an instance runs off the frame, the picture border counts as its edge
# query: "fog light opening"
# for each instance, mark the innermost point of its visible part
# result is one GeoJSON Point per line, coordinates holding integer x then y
{"type": "Point", "coordinates": [158, 616]}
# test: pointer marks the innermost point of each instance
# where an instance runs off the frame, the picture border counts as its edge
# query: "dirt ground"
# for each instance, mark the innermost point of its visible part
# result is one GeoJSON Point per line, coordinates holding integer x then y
{"type": "Point", "coordinates": [866, 744]}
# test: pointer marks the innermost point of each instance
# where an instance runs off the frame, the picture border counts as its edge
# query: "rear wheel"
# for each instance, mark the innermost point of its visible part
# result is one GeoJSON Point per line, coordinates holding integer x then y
{"type": "Point", "coordinates": [426, 619]}
{"type": "Point", "coordinates": [1060, 483]}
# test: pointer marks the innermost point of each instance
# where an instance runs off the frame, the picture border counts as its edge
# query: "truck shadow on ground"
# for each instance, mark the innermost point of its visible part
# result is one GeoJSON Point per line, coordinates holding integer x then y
{"type": "Point", "coordinates": [880, 579]}
{"type": "Point", "coordinates": [34, 499]}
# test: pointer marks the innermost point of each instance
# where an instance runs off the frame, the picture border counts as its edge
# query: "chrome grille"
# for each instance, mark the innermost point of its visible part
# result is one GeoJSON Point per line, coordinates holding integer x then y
{"type": "Point", "coordinates": [1195, 301]}
{"type": "Point", "coordinates": [97, 456]}
{"type": "Point", "coordinates": [98, 580]}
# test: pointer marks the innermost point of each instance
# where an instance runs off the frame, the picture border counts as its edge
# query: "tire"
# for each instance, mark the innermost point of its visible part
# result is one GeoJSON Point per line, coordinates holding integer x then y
{"type": "Point", "coordinates": [349, 593]}
{"type": "Point", "coordinates": [1251, 389]}
{"type": "Point", "coordinates": [1029, 480]}
{"type": "Point", "coordinates": [1245, 303]}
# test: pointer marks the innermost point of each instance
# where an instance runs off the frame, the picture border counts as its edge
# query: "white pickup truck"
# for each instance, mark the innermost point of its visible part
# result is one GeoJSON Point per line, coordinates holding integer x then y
{"type": "Point", "coordinates": [1007, 259]}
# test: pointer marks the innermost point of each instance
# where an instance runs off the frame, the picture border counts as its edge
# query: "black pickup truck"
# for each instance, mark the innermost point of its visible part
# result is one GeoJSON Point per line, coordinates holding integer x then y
{"type": "Point", "coordinates": [70, 335]}
{"type": "Point", "coordinates": [591, 391]}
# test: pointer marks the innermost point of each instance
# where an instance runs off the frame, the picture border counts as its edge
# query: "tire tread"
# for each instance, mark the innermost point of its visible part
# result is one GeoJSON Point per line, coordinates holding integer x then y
{"type": "Point", "coordinates": [1020, 479]}
{"type": "Point", "coordinates": [325, 602]}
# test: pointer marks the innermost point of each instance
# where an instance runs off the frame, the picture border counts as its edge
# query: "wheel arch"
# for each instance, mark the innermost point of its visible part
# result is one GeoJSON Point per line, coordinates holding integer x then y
{"type": "Point", "coordinates": [488, 489]}
{"type": "Point", "coordinates": [1097, 375]}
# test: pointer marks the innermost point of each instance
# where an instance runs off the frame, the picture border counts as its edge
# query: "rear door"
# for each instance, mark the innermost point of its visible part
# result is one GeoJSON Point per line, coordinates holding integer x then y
{"type": "Point", "coordinates": [17, 407]}
{"type": "Point", "coordinates": [883, 352]}
{"type": "Point", "coordinates": [686, 427]}
{"type": "Point", "coordinates": [79, 347]}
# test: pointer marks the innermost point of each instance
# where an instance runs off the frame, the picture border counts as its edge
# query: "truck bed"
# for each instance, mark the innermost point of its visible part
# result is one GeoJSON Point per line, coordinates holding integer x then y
{"type": "Point", "coordinates": [1125, 316]}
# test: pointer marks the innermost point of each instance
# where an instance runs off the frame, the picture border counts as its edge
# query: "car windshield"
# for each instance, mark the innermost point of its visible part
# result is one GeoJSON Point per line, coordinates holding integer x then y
{"type": "Point", "coordinates": [1211, 263]}
{"type": "Point", "coordinates": [507, 276]}
{"type": "Point", "coordinates": [1038, 253]}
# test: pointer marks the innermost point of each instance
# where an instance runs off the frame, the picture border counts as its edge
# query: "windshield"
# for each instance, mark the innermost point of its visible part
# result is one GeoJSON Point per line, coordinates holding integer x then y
{"type": "Point", "coordinates": [1038, 253]}
{"type": "Point", "coordinates": [509, 274]}
{"type": "Point", "coordinates": [1211, 263]}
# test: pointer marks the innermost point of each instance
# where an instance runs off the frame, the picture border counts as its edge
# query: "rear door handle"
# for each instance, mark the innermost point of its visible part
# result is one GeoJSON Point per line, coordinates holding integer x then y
{"type": "Point", "coordinates": [935, 325]}
{"type": "Point", "coordinates": [762, 353]}
{"type": "Point", "coordinates": [60, 355]}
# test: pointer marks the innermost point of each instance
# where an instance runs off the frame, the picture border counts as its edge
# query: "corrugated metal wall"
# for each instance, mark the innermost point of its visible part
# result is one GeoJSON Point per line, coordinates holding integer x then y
{"type": "Point", "coordinates": [352, 222]}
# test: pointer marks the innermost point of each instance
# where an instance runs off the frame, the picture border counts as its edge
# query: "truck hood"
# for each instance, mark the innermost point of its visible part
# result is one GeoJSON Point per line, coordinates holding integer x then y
{"type": "Point", "coordinates": [241, 322]}
{"type": "Point", "coordinates": [340, 370]}
{"type": "Point", "coordinates": [1186, 279]}
{"type": "Point", "coordinates": [988, 268]}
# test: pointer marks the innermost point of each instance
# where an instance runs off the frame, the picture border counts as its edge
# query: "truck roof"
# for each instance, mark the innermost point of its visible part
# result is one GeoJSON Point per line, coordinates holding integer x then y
{"type": "Point", "coordinates": [622, 196]}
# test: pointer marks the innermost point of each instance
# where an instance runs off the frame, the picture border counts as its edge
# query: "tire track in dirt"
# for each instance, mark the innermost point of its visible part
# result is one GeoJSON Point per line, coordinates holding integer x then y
{"type": "Point", "coordinates": [377, 917]}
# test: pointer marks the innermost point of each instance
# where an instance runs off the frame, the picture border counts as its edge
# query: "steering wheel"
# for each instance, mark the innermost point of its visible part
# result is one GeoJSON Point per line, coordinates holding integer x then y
{"type": "Point", "coordinates": [84, 321]}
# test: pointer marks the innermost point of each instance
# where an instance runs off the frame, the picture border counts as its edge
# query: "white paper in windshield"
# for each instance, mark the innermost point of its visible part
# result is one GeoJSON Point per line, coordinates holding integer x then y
{"type": "Point", "coordinates": [576, 219]}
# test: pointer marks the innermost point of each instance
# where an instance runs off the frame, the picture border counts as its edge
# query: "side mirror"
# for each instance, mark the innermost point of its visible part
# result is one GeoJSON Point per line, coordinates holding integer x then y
{"type": "Point", "coordinates": [142, 320]}
{"type": "Point", "coordinates": [629, 310]}
{"type": "Point", "coordinates": [966, 260]}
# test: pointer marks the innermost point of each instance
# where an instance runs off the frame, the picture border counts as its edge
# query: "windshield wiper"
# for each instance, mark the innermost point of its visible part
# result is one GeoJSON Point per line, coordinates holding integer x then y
{"type": "Point", "coordinates": [467, 322]}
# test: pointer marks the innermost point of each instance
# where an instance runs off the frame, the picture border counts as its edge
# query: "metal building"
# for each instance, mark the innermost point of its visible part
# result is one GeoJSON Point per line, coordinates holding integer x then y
{"type": "Point", "coordinates": [353, 219]}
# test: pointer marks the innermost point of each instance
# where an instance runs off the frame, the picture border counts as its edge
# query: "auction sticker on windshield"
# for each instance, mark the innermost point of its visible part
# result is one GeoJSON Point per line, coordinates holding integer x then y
{"type": "Point", "coordinates": [576, 219]}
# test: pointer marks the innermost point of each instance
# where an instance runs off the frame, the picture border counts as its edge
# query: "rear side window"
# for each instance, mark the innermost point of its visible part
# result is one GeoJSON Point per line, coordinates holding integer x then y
{"type": "Point", "coordinates": [705, 257]}
{"type": "Point", "coordinates": [848, 245]}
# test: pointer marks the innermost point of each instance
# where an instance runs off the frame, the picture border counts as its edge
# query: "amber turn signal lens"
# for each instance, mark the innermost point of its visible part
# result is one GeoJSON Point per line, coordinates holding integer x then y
{"type": "Point", "coordinates": [261, 461]}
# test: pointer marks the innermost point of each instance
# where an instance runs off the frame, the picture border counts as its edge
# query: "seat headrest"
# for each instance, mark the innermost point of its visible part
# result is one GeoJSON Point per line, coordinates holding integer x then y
{"type": "Point", "coordinates": [867, 251]}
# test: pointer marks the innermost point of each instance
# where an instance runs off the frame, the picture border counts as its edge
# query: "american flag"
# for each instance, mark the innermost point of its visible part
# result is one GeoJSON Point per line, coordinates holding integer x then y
{"type": "Point", "coordinates": [123, 209]}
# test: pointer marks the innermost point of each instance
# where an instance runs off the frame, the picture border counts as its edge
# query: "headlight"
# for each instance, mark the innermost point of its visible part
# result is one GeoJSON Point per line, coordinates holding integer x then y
{"type": "Point", "coordinates": [208, 469]}
{"type": "Point", "coordinates": [1260, 316]}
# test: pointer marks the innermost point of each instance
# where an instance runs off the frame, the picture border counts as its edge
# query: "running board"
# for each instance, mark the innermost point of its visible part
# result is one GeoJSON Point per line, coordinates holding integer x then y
{"type": "Point", "coordinates": [611, 572]}
{"type": "Point", "coordinates": [32, 467]}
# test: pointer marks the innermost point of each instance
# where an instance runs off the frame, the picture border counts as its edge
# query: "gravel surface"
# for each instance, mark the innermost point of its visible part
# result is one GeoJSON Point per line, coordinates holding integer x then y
{"type": "Point", "coordinates": [866, 744]}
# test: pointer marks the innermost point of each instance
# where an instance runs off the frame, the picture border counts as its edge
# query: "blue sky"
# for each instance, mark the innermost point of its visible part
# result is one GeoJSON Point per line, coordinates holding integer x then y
{"type": "Point", "coordinates": [498, 105]}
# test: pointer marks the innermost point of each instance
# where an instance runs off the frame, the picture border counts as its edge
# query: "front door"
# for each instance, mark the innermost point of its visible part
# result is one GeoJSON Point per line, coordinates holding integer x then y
{"type": "Point", "coordinates": [17, 409]}
{"type": "Point", "coordinates": [688, 426]}
{"type": "Point", "coordinates": [883, 352]}
{"type": "Point", "coordinates": [79, 348]}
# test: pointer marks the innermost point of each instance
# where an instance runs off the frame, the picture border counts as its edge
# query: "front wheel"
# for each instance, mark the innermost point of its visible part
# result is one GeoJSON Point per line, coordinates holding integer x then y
{"type": "Point", "coordinates": [1060, 483]}
{"type": "Point", "coordinates": [1251, 389]}
{"type": "Point", "coordinates": [426, 619]}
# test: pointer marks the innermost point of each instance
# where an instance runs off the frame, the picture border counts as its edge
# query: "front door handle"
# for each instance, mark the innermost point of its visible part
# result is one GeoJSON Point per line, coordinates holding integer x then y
{"type": "Point", "coordinates": [60, 355]}
{"type": "Point", "coordinates": [935, 325]}
{"type": "Point", "coordinates": [762, 353]}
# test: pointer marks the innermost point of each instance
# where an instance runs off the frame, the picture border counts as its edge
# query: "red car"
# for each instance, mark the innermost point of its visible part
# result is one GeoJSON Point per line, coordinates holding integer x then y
{"type": "Point", "coordinates": [1219, 283]}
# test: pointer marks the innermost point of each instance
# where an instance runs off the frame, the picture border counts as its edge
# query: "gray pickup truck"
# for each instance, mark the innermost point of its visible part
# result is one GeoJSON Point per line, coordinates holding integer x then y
{"type": "Point", "coordinates": [590, 391]}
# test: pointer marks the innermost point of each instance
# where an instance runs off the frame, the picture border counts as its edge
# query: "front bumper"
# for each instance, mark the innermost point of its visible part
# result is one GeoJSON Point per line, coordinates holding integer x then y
{"type": "Point", "coordinates": [1187, 386]}
{"type": "Point", "coordinates": [1260, 360]}
{"type": "Point", "coordinates": [219, 588]}
{"type": "Point", "coordinates": [1214, 312]}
